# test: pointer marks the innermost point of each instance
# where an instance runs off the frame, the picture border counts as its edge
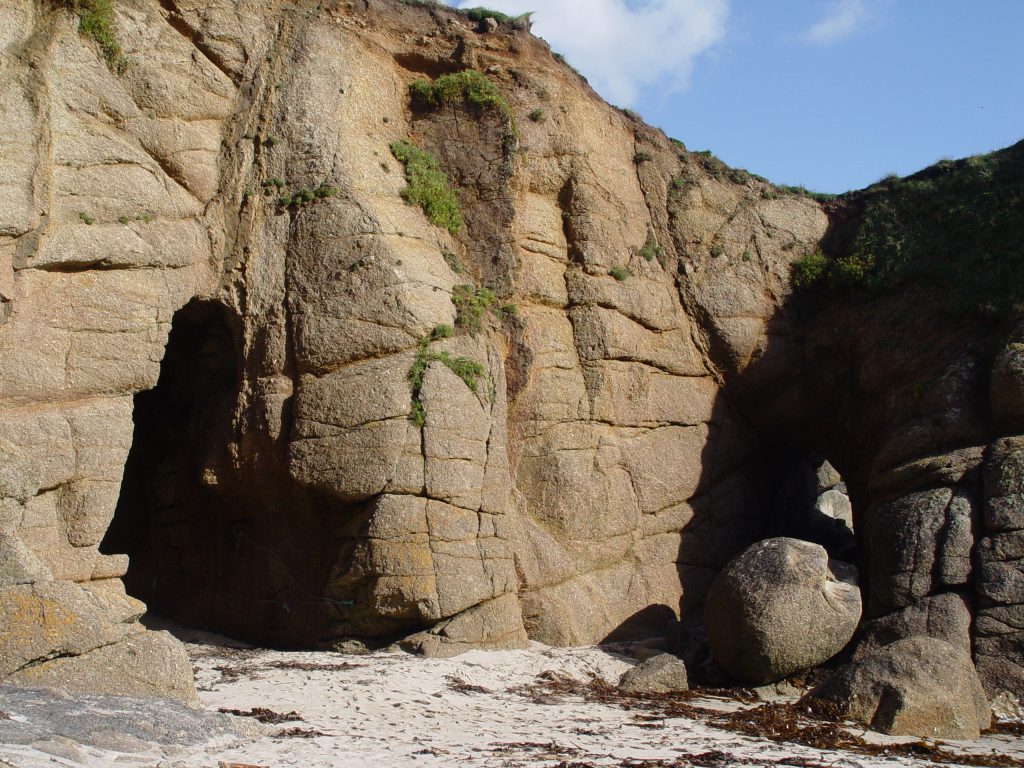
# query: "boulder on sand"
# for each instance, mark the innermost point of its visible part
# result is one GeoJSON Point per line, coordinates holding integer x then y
{"type": "Point", "coordinates": [779, 608]}
{"type": "Point", "coordinates": [663, 673]}
{"type": "Point", "coordinates": [918, 686]}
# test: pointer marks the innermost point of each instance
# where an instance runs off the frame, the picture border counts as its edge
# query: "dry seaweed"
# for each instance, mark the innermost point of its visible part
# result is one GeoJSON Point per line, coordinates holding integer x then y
{"type": "Point", "coordinates": [1007, 728]}
{"type": "Point", "coordinates": [264, 715]}
{"type": "Point", "coordinates": [813, 726]}
{"type": "Point", "coordinates": [298, 733]}
{"type": "Point", "coordinates": [459, 685]}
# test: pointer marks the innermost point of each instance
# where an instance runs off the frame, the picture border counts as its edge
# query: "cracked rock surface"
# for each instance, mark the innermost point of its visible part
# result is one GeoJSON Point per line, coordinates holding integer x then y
{"type": "Point", "coordinates": [205, 386]}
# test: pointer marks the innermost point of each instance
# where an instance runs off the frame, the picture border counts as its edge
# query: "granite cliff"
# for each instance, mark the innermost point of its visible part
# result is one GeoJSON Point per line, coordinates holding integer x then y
{"type": "Point", "coordinates": [242, 375]}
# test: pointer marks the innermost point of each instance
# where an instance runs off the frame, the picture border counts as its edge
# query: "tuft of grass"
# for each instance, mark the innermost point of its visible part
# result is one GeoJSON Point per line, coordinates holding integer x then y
{"type": "Point", "coordinates": [508, 310]}
{"type": "Point", "coordinates": [428, 186]}
{"type": "Point", "coordinates": [651, 250]}
{"type": "Point", "coordinates": [468, 86]}
{"type": "Point", "coordinates": [442, 332]}
{"type": "Point", "coordinates": [642, 157]}
{"type": "Point", "coordinates": [96, 21]}
{"type": "Point", "coordinates": [620, 273]}
{"type": "Point", "coordinates": [86, 218]}
{"type": "Point", "coordinates": [717, 250]}
{"type": "Point", "coordinates": [522, 21]}
{"type": "Point", "coordinates": [538, 115]}
{"type": "Point", "coordinates": [453, 262]}
{"type": "Point", "coordinates": [470, 371]}
{"type": "Point", "coordinates": [471, 304]}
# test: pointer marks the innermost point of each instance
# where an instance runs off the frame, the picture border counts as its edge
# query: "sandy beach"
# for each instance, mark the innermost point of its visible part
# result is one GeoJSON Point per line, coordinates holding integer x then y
{"type": "Point", "coordinates": [537, 707]}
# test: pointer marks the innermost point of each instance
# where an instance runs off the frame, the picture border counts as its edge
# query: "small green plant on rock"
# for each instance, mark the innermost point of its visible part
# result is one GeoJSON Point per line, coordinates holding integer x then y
{"type": "Point", "coordinates": [428, 186]}
{"type": "Point", "coordinates": [471, 304]}
{"type": "Point", "coordinates": [96, 21]}
{"type": "Point", "coordinates": [453, 262]}
{"type": "Point", "coordinates": [620, 273]}
{"type": "Point", "coordinates": [642, 157]}
{"type": "Point", "coordinates": [538, 115]}
{"type": "Point", "coordinates": [470, 371]}
{"type": "Point", "coordinates": [651, 250]}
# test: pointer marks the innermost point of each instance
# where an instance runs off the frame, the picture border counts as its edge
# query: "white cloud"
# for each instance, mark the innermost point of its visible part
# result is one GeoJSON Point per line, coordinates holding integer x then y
{"type": "Point", "coordinates": [625, 46]}
{"type": "Point", "coordinates": [842, 18]}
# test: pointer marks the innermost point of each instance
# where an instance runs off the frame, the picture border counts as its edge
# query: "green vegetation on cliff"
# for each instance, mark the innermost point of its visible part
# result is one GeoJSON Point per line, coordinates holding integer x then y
{"type": "Point", "coordinates": [96, 21]}
{"type": "Point", "coordinates": [428, 186]}
{"type": "Point", "coordinates": [958, 225]}
{"type": "Point", "coordinates": [468, 86]}
{"type": "Point", "coordinates": [470, 371]}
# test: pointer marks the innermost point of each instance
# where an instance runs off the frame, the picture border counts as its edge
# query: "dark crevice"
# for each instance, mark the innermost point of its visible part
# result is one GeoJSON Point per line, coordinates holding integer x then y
{"type": "Point", "coordinates": [182, 27]}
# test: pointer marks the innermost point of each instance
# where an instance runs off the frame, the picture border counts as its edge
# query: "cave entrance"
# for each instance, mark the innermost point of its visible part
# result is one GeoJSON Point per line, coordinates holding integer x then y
{"type": "Point", "coordinates": [812, 503]}
{"type": "Point", "coordinates": [219, 536]}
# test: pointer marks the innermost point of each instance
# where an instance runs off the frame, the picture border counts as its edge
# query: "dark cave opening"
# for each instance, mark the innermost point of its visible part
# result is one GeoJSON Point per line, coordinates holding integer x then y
{"type": "Point", "coordinates": [219, 536]}
{"type": "Point", "coordinates": [811, 502]}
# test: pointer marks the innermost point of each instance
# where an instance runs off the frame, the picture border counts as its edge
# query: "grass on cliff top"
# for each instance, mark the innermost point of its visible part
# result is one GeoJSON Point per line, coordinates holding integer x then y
{"type": "Point", "coordinates": [958, 225]}
{"type": "Point", "coordinates": [468, 86]}
{"type": "Point", "coordinates": [96, 21]}
{"type": "Point", "coordinates": [478, 14]}
{"type": "Point", "coordinates": [522, 21]}
{"type": "Point", "coordinates": [428, 186]}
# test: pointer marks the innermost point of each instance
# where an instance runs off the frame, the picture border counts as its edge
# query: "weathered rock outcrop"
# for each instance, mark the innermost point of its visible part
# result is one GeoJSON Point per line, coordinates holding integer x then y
{"type": "Point", "coordinates": [917, 686]}
{"type": "Point", "coordinates": [663, 673]}
{"type": "Point", "coordinates": [212, 295]}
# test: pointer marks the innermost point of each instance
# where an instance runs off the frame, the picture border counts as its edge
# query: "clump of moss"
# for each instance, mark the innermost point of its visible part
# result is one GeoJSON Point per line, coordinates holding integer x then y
{"type": "Point", "coordinates": [471, 304]}
{"type": "Point", "coordinates": [96, 21]}
{"type": "Point", "coordinates": [428, 186]}
{"type": "Point", "coordinates": [958, 226]}
{"type": "Point", "coordinates": [468, 86]}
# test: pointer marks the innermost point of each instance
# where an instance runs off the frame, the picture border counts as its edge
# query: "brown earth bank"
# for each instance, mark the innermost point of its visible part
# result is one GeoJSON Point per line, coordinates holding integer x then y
{"type": "Point", "coordinates": [243, 377]}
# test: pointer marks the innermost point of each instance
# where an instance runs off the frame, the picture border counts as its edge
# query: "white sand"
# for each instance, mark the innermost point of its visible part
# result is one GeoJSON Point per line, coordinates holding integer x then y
{"type": "Point", "coordinates": [392, 709]}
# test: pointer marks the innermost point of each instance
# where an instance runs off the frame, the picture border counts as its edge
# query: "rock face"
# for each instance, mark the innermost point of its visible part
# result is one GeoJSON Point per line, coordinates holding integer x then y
{"type": "Point", "coordinates": [917, 686]}
{"type": "Point", "coordinates": [780, 608]}
{"type": "Point", "coordinates": [663, 673]}
{"type": "Point", "coordinates": [212, 295]}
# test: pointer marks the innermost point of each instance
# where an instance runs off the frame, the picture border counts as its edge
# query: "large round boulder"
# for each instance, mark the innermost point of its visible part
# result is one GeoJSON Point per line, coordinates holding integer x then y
{"type": "Point", "coordinates": [779, 608]}
{"type": "Point", "coordinates": [918, 686]}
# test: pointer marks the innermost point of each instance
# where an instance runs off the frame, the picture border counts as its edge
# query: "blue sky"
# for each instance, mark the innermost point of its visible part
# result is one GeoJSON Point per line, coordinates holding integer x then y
{"type": "Point", "coordinates": [831, 94]}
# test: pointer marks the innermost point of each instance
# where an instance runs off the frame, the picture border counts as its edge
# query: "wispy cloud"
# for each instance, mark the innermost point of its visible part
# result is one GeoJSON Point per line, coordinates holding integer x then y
{"type": "Point", "coordinates": [625, 46]}
{"type": "Point", "coordinates": [842, 18]}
